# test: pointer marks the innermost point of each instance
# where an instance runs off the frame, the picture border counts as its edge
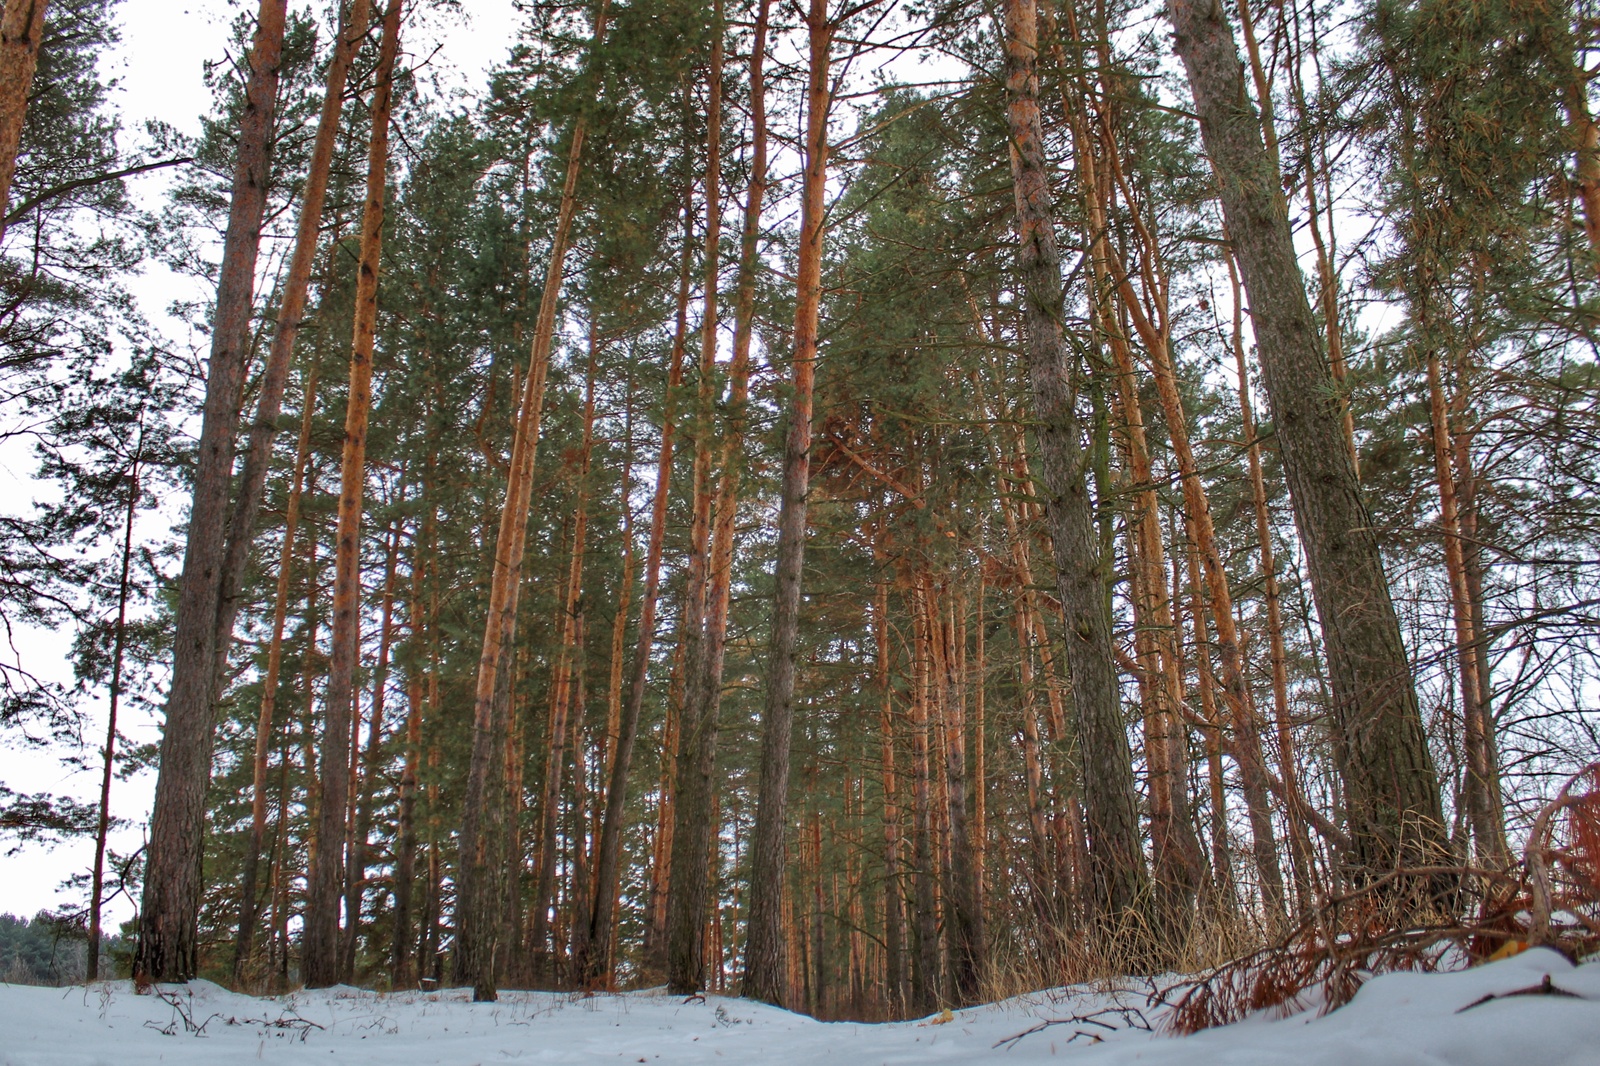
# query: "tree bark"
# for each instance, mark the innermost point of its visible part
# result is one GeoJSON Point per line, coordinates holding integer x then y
{"type": "Point", "coordinates": [320, 960]}
{"type": "Point", "coordinates": [1392, 791]}
{"type": "Point", "coordinates": [21, 30]}
{"type": "Point", "coordinates": [764, 974]}
{"type": "Point", "coordinates": [1116, 855]}
{"type": "Point", "coordinates": [353, 25]}
{"type": "Point", "coordinates": [168, 948]}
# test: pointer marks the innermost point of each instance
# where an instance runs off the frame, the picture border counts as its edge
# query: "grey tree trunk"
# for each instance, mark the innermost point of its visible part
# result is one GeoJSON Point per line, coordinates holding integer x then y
{"type": "Point", "coordinates": [169, 911]}
{"type": "Point", "coordinates": [1392, 791]}
{"type": "Point", "coordinates": [1116, 856]}
{"type": "Point", "coordinates": [694, 830]}
{"type": "Point", "coordinates": [765, 973]}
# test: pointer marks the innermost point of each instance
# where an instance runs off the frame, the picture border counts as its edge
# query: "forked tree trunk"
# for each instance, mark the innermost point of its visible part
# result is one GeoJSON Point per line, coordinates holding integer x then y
{"type": "Point", "coordinates": [169, 913]}
{"type": "Point", "coordinates": [764, 946]}
{"type": "Point", "coordinates": [963, 913]}
{"type": "Point", "coordinates": [1392, 791]}
{"type": "Point", "coordinates": [320, 961]}
{"type": "Point", "coordinates": [1116, 854]}
{"type": "Point", "coordinates": [478, 910]}
{"type": "Point", "coordinates": [21, 30]}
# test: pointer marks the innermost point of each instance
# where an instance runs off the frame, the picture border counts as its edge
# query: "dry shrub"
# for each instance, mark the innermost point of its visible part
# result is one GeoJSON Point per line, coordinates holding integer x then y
{"type": "Point", "coordinates": [1583, 827]}
{"type": "Point", "coordinates": [1061, 956]}
{"type": "Point", "coordinates": [1403, 921]}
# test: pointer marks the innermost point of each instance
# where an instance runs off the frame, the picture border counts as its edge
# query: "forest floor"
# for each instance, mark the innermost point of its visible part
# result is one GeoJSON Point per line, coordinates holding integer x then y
{"type": "Point", "coordinates": [1464, 1018]}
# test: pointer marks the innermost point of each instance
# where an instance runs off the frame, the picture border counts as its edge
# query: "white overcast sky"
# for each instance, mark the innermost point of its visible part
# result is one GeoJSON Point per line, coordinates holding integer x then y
{"type": "Point", "coordinates": [159, 66]}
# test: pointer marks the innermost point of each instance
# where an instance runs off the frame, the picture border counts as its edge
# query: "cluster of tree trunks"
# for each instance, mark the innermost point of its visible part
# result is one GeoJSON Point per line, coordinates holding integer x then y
{"type": "Point", "coordinates": [918, 825]}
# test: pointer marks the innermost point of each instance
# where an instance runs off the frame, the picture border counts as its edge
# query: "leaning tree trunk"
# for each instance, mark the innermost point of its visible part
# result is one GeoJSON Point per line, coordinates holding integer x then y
{"type": "Point", "coordinates": [320, 959]}
{"type": "Point", "coordinates": [1392, 791]}
{"type": "Point", "coordinates": [478, 913]}
{"type": "Point", "coordinates": [169, 912]}
{"type": "Point", "coordinates": [1115, 853]}
{"type": "Point", "coordinates": [291, 312]}
{"type": "Point", "coordinates": [21, 28]}
{"type": "Point", "coordinates": [764, 958]}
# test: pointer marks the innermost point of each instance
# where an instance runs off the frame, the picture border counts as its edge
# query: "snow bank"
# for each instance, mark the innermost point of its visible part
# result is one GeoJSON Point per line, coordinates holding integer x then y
{"type": "Point", "coordinates": [1399, 1019]}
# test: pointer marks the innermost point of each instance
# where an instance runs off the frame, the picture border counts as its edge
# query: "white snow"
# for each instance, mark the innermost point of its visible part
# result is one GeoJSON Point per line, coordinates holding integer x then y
{"type": "Point", "coordinates": [1398, 1019]}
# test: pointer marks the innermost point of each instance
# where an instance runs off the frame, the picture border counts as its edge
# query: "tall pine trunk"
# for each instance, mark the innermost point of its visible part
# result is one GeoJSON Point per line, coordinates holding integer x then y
{"type": "Point", "coordinates": [320, 961]}
{"type": "Point", "coordinates": [478, 910]}
{"type": "Point", "coordinates": [561, 680]}
{"type": "Point", "coordinates": [1392, 791]}
{"type": "Point", "coordinates": [169, 913]}
{"type": "Point", "coordinates": [244, 939]}
{"type": "Point", "coordinates": [689, 889]}
{"type": "Point", "coordinates": [1115, 852]}
{"type": "Point", "coordinates": [593, 965]}
{"type": "Point", "coordinates": [765, 968]}
{"type": "Point", "coordinates": [353, 25]}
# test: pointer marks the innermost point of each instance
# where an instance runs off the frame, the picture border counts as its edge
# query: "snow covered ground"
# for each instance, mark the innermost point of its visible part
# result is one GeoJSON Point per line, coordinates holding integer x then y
{"type": "Point", "coordinates": [1399, 1019]}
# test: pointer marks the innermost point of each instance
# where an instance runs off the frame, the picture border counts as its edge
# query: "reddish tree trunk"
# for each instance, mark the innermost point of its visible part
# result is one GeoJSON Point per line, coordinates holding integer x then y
{"type": "Point", "coordinates": [320, 962]}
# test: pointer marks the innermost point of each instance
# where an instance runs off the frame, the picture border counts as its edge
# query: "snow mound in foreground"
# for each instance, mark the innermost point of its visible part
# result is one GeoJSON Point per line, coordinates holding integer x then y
{"type": "Point", "coordinates": [1464, 1019]}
